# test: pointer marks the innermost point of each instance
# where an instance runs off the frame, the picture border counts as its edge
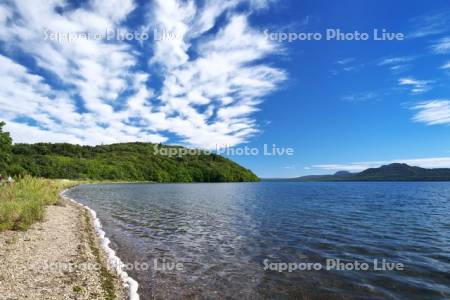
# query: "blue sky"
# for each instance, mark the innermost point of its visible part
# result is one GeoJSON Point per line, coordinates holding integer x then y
{"type": "Point", "coordinates": [222, 81]}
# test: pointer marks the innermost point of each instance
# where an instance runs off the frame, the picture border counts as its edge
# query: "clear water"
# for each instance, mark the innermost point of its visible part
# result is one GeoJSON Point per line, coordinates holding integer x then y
{"type": "Point", "coordinates": [223, 233]}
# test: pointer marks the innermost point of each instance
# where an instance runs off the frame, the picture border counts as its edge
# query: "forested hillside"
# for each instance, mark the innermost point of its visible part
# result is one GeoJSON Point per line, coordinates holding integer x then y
{"type": "Point", "coordinates": [130, 161]}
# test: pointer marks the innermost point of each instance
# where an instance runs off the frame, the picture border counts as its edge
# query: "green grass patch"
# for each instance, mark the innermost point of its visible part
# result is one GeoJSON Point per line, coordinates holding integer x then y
{"type": "Point", "coordinates": [23, 202]}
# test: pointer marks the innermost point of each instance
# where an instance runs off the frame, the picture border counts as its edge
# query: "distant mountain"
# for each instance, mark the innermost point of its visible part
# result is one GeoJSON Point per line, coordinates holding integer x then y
{"type": "Point", "coordinates": [403, 172]}
{"type": "Point", "coordinates": [343, 173]}
{"type": "Point", "coordinates": [392, 172]}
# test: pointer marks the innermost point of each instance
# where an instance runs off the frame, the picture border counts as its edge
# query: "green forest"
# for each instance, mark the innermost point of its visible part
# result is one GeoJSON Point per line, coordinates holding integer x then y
{"type": "Point", "coordinates": [117, 162]}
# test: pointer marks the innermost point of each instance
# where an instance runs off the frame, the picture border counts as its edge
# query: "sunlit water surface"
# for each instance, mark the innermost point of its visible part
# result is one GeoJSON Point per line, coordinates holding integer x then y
{"type": "Point", "coordinates": [222, 234]}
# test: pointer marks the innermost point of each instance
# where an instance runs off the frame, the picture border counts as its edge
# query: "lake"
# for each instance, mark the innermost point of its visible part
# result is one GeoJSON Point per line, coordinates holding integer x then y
{"type": "Point", "coordinates": [282, 240]}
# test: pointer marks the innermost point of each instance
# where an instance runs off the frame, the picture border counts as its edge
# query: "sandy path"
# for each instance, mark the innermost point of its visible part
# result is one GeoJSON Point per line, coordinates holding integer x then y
{"type": "Point", "coordinates": [56, 259]}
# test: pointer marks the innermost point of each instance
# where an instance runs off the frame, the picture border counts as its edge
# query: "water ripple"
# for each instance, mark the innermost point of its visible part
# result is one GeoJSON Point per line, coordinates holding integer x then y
{"type": "Point", "coordinates": [222, 233]}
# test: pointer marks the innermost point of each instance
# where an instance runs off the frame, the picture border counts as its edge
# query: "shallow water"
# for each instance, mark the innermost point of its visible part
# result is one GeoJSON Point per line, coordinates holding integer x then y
{"type": "Point", "coordinates": [225, 235]}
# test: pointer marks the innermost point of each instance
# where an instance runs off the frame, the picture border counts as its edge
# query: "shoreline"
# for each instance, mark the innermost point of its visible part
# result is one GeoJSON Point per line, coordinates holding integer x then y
{"type": "Point", "coordinates": [63, 256]}
{"type": "Point", "coordinates": [113, 260]}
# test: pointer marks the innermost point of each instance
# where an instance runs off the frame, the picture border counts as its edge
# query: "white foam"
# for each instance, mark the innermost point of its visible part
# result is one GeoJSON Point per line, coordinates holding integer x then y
{"type": "Point", "coordinates": [113, 260]}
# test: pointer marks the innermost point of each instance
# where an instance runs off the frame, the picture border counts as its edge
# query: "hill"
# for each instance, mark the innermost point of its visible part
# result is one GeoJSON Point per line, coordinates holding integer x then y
{"type": "Point", "coordinates": [126, 161]}
{"type": "Point", "coordinates": [392, 172]}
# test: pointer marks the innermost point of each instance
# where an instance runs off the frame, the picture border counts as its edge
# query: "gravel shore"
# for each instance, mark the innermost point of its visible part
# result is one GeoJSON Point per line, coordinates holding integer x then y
{"type": "Point", "coordinates": [59, 258]}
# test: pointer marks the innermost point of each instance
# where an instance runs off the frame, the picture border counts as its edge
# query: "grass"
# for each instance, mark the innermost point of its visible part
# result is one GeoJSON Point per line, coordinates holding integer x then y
{"type": "Point", "coordinates": [23, 202]}
{"type": "Point", "coordinates": [78, 289]}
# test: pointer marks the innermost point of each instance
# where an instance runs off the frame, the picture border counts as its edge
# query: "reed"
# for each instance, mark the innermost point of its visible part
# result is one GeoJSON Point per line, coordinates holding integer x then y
{"type": "Point", "coordinates": [23, 202]}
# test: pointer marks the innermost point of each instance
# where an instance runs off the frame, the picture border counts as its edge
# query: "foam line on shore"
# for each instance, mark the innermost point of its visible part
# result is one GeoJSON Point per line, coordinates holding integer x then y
{"type": "Point", "coordinates": [113, 260]}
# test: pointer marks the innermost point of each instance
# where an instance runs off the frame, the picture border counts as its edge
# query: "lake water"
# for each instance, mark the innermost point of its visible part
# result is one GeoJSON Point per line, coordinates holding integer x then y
{"type": "Point", "coordinates": [231, 238]}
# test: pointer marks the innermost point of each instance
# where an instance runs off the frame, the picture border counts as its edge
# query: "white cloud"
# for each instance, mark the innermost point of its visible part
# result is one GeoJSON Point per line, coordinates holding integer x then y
{"type": "Point", "coordinates": [345, 61]}
{"type": "Point", "coordinates": [441, 46]}
{"type": "Point", "coordinates": [353, 167]}
{"type": "Point", "coordinates": [361, 97]}
{"type": "Point", "coordinates": [51, 116]}
{"type": "Point", "coordinates": [433, 112]}
{"type": "Point", "coordinates": [98, 71]}
{"type": "Point", "coordinates": [430, 24]}
{"type": "Point", "coordinates": [99, 93]}
{"type": "Point", "coordinates": [211, 96]}
{"type": "Point", "coordinates": [395, 60]}
{"type": "Point", "coordinates": [446, 66]}
{"type": "Point", "coordinates": [417, 86]}
{"type": "Point", "coordinates": [346, 65]}
{"type": "Point", "coordinates": [433, 162]}
{"type": "Point", "coordinates": [397, 63]}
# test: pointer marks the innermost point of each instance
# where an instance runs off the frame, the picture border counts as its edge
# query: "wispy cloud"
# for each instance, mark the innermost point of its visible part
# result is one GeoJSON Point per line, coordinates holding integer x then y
{"type": "Point", "coordinates": [77, 99]}
{"type": "Point", "coordinates": [432, 112]}
{"type": "Point", "coordinates": [345, 61]}
{"type": "Point", "coordinates": [446, 66]}
{"type": "Point", "coordinates": [430, 24]}
{"type": "Point", "coordinates": [361, 97]}
{"type": "Point", "coordinates": [397, 63]}
{"type": "Point", "coordinates": [441, 46]}
{"type": "Point", "coordinates": [290, 167]}
{"type": "Point", "coordinates": [94, 91]}
{"type": "Point", "coordinates": [396, 60]}
{"type": "Point", "coordinates": [223, 78]}
{"type": "Point", "coordinates": [417, 86]}
{"type": "Point", "coordinates": [433, 162]}
{"type": "Point", "coordinates": [346, 65]}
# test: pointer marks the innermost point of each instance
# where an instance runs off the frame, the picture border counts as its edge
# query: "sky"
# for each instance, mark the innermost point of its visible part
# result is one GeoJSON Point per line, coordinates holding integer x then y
{"type": "Point", "coordinates": [222, 75]}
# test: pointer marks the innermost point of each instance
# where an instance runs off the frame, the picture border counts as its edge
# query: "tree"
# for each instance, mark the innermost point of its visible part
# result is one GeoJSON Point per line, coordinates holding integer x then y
{"type": "Point", "coordinates": [127, 161]}
{"type": "Point", "coordinates": [5, 148]}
